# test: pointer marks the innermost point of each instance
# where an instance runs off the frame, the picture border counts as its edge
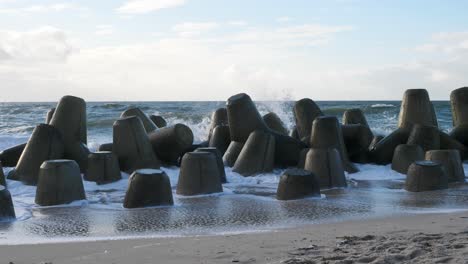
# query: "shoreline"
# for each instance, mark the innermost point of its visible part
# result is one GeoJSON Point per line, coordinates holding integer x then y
{"type": "Point", "coordinates": [330, 241]}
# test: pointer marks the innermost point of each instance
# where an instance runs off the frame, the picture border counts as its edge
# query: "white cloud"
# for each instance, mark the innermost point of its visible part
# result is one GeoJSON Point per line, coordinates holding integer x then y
{"type": "Point", "coordinates": [262, 62]}
{"type": "Point", "coordinates": [148, 6]}
{"type": "Point", "coordinates": [103, 30]}
{"type": "Point", "coordinates": [57, 7]}
{"type": "Point", "coordinates": [239, 23]}
{"type": "Point", "coordinates": [190, 29]}
{"type": "Point", "coordinates": [283, 19]}
{"type": "Point", "coordinates": [46, 43]}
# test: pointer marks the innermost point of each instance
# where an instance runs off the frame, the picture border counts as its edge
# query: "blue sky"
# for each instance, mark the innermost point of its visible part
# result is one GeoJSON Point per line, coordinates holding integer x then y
{"type": "Point", "coordinates": [211, 49]}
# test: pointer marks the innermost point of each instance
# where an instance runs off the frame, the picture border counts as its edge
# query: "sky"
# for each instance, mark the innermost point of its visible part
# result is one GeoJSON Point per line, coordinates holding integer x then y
{"type": "Point", "coordinates": [158, 50]}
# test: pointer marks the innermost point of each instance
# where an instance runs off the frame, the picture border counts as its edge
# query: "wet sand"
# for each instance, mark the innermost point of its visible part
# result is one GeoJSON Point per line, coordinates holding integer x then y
{"type": "Point", "coordinates": [420, 238]}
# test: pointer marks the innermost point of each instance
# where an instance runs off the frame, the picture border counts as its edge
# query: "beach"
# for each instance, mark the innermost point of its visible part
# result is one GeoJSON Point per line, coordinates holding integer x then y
{"type": "Point", "coordinates": [420, 238]}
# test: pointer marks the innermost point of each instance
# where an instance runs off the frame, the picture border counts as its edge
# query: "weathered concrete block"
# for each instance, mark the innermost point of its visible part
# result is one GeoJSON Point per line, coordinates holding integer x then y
{"type": "Point", "coordinates": [287, 150]}
{"type": "Point", "coordinates": [232, 153]}
{"type": "Point", "coordinates": [459, 102]}
{"type": "Point", "coordinates": [218, 118]}
{"type": "Point", "coordinates": [450, 159]}
{"type": "Point", "coordinates": [7, 211]}
{"type": "Point", "coordinates": [147, 123]}
{"type": "Point", "coordinates": [243, 117]}
{"type": "Point", "coordinates": [382, 152]}
{"type": "Point", "coordinates": [45, 143]}
{"type": "Point", "coordinates": [132, 145]}
{"type": "Point", "coordinates": [59, 183]}
{"type": "Point", "coordinates": [326, 164]}
{"type": "Point", "coordinates": [405, 155]}
{"type": "Point", "coordinates": [70, 119]}
{"type": "Point", "coordinates": [220, 138]}
{"type": "Point", "coordinates": [302, 158]}
{"type": "Point", "coordinates": [305, 112]}
{"type": "Point", "coordinates": [327, 133]}
{"type": "Point", "coordinates": [10, 156]}
{"type": "Point", "coordinates": [105, 147]}
{"type": "Point", "coordinates": [297, 184]}
{"type": "Point", "coordinates": [257, 155]}
{"type": "Point", "coordinates": [148, 187]}
{"type": "Point", "coordinates": [169, 143]}
{"type": "Point", "coordinates": [199, 174]}
{"type": "Point", "coordinates": [294, 134]}
{"type": "Point", "coordinates": [2, 176]}
{"type": "Point", "coordinates": [159, 121]}
{"type": "Point", "coordinates": [428, 137]}
{"type": "Point", "coordinates": [447, 142]}
{"type": "Point", "coordinates": [357, 139]}
{"type": "Point", "coordinates": [273, 122]}
{"type": "Point", "coordinates": [354, 116]}
{"type": "Point", "coordinates": [416, 108]}
{"type": "Point", "coordinates": [49, 115]}
{"type": "Point", "coordinates": [219, 161]}
{"type": "Point", "coordinates": [103, 167]}
{"type": "Point", "coordinates": [460, 133]}
{"type": "Point", "coordinates": [426, 176]}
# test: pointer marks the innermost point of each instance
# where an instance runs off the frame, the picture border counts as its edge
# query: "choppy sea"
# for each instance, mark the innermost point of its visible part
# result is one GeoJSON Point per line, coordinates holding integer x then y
{"type": "Point", "coordinates": [246, 205]}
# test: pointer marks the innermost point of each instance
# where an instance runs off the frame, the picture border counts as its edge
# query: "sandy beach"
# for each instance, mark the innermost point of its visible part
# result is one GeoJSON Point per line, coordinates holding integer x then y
{"type": "Point", "coordinates": [421, 238]}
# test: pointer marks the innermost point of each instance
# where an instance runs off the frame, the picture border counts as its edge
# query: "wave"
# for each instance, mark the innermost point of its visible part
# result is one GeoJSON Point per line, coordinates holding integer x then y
{"type": "Point", "coordinates": [383, 106]}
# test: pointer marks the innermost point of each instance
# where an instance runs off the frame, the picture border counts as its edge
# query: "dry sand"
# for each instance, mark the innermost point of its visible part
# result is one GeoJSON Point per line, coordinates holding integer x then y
{"type": "Point", "coordinates": [422, 238]}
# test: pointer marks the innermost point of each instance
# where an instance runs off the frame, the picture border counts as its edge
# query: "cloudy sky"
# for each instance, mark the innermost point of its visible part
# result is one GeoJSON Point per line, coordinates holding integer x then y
{"type": "Point", "coordinates": [210, 49]}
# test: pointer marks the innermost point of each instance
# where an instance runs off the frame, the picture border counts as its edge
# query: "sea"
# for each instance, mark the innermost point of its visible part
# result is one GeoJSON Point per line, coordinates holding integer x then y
{"type": "Point", "coordinates": [247, 204]}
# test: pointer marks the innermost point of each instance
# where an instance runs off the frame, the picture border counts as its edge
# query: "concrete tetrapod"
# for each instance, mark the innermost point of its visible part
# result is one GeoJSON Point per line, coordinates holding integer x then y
{"type": "Point", "coordinates": [147, 123]}
{"type": "Point", "coordinates": [219, 161]}
{"type": "Point", "coordinates": [405, 155]}
{"type": "Point", "coordinates": [232, 153]}
{"type": "Point", "coordinates": [10, 156]}
{"type": "Point", "coordinates": [44, 144]}
{"type": "Point", "coordinates": [70, 119]}
{"type": "Point", "coordinates": [218, 118]}
{"type": "Point", "coordinates": [428, 137]}
{"type": "Point", "coordinates": [257, 155]}
{"type": "Point", "coordinates": [460, 133]}
{"type": "Point", "coordinates": [450, 159]}
{"type": "Point", "coordinates": [220, 138]}
{"type": "Point", "coordinates": [302, 158]}
{"type": "Point", "coordinates": [416, 108]}
{"type": "Point", "coordinates": [326, 164]}
{"type": "Point", "coordinates": [273, 122]}
{"type": "Point", "coordinates": [243, 117]}
{"type": "Point", "coordinates": [103, 167]}
{"type": "Point", "coordinates": [327, 133]}
{"type": "Point", "coordinates": [305, 111]}
{"type": "Point", "coordinates": [2, 176]}
{"type": "Point", "coordinates": [159, 121]}
{"type": "Point", "coordinates": [354, 116]}
{"type": "Point", "coordinates": [375, 140]}
{"type": "Point", "coordinates": [132, 146]}
{"type": "Point", "coordinates": [382, 152]}
{"type": "Point", "coordinates": [7, 210]}
{"type": "Point", "coordinates": [105, 147]}
{"type": "Point", "coordinates": [459, 103]}
{"type": "Point", "coordinates": [148, 187]}
{"type": "Point", "coordinates": [199, 174]}
{"type": "Point", "coordinates": [297, 184]}
{"type": "Point", "coordinates": [426, 176]}
{"type": "Point", "coordinates": [170, 143]}
{"type": "Point", "coordinates": [287, 150]}
{"type": "Point", "coordinates": [59, 183]}
{"type": "Point", "coordinates": [49, 115]}
{"type": "Point", "coordinates": [447, 142]}
{"type": "Point", "coordinates": [357, 139]}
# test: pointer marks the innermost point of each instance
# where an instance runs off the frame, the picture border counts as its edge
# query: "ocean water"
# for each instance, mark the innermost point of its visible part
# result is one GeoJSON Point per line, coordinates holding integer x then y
{"type": "Point", "coordinates": [246, 205]}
